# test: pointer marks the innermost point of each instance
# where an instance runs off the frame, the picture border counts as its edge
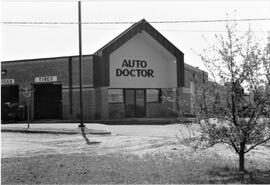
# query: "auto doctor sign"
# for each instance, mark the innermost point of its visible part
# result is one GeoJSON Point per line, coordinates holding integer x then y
{"type": "Point", "coordinates": [134, 68]}
{"type": "Point", "coordinates": [142, 63]}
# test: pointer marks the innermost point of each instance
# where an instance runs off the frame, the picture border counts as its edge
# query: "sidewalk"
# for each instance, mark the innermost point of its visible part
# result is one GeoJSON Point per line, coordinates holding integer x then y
{"type": "Point", "coordinates": [54, 129]}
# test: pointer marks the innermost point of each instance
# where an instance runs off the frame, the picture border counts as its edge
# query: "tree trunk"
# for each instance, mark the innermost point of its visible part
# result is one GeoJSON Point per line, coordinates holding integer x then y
{"type": "Point", "coordinates": [242, 157]}
{"type": "Point", "coordinates": [241, 162]}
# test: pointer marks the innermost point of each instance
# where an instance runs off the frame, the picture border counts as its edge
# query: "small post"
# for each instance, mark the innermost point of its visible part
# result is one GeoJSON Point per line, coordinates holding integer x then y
{"type": "Point", "coordinates": [28, 111]}
{"type": "Point", "coordinates": [28, 93]}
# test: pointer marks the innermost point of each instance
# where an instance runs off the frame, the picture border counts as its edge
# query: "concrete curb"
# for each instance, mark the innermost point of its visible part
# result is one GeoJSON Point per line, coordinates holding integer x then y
{"type": "Point", "coordinates": [129, 121]}
{"type": "Point", "coordinates": [55, 131]}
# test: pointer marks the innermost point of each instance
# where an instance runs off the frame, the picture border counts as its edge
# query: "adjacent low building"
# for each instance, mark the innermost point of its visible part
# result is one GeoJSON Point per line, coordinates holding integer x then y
{"type": "Point", "coordinates": [138, 74]}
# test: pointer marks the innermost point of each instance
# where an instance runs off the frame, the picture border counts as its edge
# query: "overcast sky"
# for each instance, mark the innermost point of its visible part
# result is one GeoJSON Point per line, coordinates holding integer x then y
{"type": "Point", "coordinates": [38, 41]}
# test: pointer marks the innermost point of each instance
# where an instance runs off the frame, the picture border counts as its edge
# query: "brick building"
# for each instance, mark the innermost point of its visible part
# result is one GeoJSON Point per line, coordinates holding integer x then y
{"type": "Point", "coordinates": [131, 76]}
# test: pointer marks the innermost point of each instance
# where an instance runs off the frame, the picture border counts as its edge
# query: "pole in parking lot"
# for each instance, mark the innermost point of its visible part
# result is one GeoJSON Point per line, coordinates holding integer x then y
{"type": "Point", "coordinates": [28, 93]}
{"type": "Point", "coordinates": [28, 112]}
{"type": "Point", "coordinates": [80, 63]}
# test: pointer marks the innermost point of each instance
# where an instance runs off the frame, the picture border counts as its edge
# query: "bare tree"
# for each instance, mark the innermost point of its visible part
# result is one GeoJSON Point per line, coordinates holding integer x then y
{"type": "Point", "coordinates": [232, 107]}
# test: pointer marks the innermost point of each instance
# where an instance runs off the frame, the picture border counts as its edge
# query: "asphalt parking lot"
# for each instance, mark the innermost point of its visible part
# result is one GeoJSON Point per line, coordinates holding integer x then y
{"type": "Point", "coordinates": [131, 139]}
{"type": "Point", "coordinates": [123, 137]}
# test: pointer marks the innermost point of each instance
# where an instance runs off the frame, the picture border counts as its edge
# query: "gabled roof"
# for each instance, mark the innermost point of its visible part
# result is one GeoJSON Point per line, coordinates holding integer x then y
{"type": "Point", "coordinates": [132, 31]}
{"type": "Point", "coordinates": [101, 57]}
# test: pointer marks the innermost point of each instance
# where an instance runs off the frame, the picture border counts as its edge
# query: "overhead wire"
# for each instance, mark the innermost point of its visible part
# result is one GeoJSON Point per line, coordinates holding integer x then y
{"type": "Point", "coordinates": [130, 22]}
{"type": "Point", "coordinates": [111, 28]}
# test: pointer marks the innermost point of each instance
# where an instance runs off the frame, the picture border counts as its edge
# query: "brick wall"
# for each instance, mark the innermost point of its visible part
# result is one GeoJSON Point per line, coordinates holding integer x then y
{"type": "Point", "coordinates": [116, 110]}
{"type": "Point", "coordinates": [197, 76]}
{"type": "Point", "coordinates": [194, 74]}
{"type": "Point", "coordinates": [102, 104]}
{"type": "Point", "coordinates": [67, 71]}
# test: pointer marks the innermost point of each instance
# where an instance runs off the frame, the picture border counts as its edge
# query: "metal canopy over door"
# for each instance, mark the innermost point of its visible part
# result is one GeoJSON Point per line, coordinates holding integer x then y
{"type": "Point", "coordinates": [135, 103]}
{"type": "Point", "coordinates": [48, 101]}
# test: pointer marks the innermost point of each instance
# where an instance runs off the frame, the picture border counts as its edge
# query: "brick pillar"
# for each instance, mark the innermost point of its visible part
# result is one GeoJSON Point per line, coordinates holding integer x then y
{"type": "Point", "coordinates": [102, 106]}
{"type": "Point", "coordinates": [32, 107]}
{"type": "Point", "coordinates": [179, 100]}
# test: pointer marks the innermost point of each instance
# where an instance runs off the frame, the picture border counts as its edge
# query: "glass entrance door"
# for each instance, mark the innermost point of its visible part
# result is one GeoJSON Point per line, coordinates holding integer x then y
{"type": "Point", "coordinates": [135, 103]}
{"type": "Point", "coordinates": [130, 103]}
{"type": "Point", "coordinates": [140, 103]}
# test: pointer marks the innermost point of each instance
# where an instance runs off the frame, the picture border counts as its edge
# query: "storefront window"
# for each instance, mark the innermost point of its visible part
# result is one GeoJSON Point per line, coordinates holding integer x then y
{"type": "Point", "coordinates": [153, 95]}
{"type": "Point", "coordinates": [116, 96]}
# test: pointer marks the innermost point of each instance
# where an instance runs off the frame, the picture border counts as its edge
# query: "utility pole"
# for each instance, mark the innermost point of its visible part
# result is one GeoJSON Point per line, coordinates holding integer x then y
{"type": "Point", "coordinates": [80, 63]}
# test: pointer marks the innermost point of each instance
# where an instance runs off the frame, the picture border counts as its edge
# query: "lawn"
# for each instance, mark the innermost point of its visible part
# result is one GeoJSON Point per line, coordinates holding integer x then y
{"type": "Point", "coordinates": [125, 168]}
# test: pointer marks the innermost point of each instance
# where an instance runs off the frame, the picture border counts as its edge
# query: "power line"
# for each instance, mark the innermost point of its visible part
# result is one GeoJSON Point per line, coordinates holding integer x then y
{"type": "Point", "coordinates": [129, 22]}
{"type": "Point", "coordinates": [166, 30]}
{"type": "Point", "coordinates": [113, 28]}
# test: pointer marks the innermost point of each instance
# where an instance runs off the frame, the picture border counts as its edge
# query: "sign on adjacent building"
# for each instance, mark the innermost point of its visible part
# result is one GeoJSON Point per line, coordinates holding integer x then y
{"type": "Point", "coordinates": [7, 81]}
{"type": "Point", "coordinates": [46, 79]}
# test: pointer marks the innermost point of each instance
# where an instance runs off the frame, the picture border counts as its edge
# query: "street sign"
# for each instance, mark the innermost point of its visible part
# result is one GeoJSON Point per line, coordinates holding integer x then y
{"type": "Point", "coordinates": [7, 81]}
{"type": "Point", "coordinates": [46, 79]}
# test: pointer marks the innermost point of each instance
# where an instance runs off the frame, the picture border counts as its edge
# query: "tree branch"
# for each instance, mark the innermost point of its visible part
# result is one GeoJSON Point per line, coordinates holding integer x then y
{"type": "Point", "coordinates": [257, 144]}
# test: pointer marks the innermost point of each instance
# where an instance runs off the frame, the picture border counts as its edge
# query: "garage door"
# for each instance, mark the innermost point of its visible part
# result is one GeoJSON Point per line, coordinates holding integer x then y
{"type": "Point", "coordinates": [48, 101]}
